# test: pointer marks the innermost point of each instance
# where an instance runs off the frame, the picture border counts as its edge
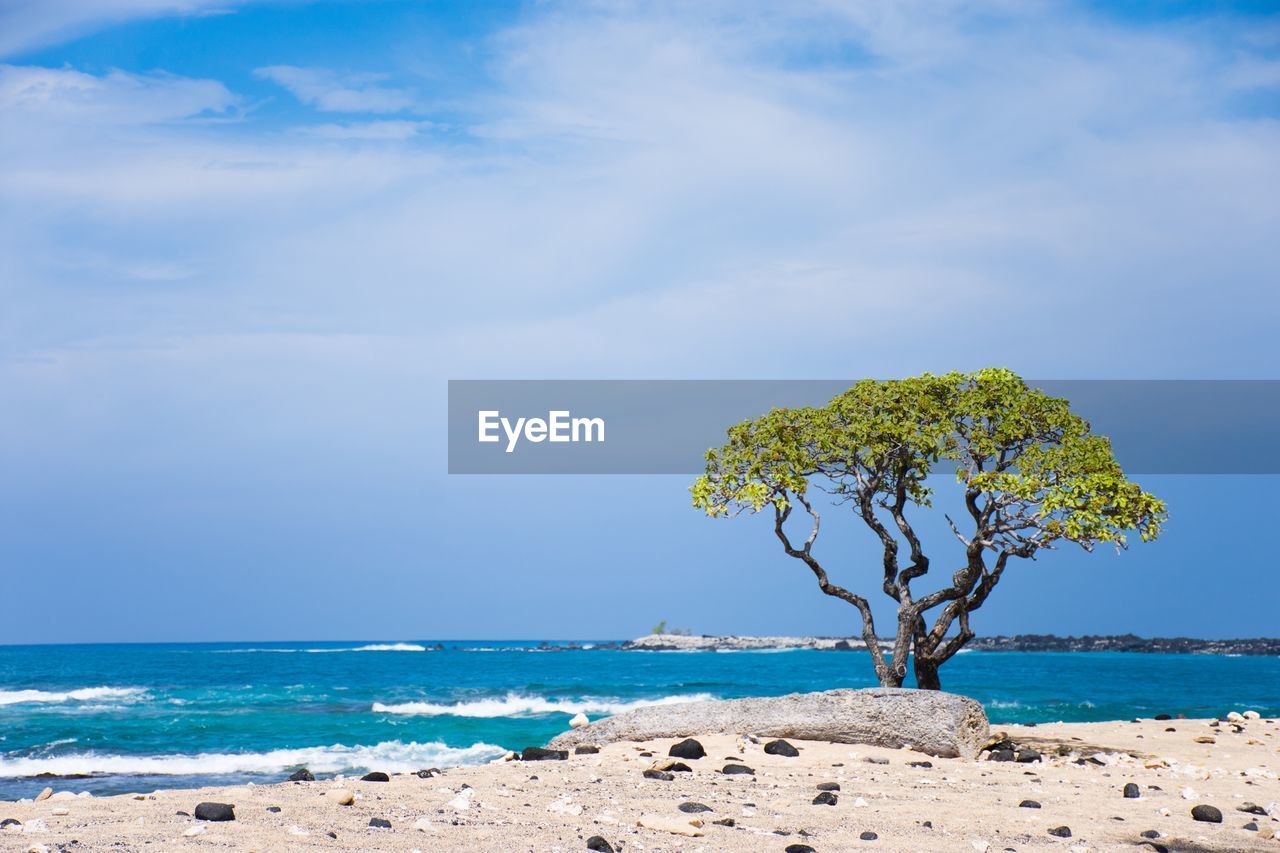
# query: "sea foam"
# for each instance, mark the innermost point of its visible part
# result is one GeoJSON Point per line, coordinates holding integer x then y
{"type": "Point", "coordinates": [389, 756]}
{"type": "Point", "coordinates": [373, 647]}
{"type": "Point", "coordinates": [516, 705]}
{"type": "Point", "coordinates": [83, 694]}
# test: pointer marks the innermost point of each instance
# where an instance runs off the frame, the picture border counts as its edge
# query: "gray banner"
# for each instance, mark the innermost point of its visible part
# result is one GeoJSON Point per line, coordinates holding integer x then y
{"type": "Point", "coordinates": [661, 426]}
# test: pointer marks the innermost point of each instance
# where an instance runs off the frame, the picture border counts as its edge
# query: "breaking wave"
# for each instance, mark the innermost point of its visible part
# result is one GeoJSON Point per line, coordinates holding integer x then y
{"type": "Point", "coordinates": [83, 694]}
{"type": "Point", "coordinates": [516, 705]}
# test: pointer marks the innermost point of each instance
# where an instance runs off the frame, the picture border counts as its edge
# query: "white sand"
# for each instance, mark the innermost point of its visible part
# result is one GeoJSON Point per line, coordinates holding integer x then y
{"type": "Point", "coordinates": [558, 805]}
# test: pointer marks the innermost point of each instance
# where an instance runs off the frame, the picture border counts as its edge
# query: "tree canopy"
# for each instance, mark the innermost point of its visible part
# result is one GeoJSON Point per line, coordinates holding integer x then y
{"type": "Point", "coordinates": [1034, 476]}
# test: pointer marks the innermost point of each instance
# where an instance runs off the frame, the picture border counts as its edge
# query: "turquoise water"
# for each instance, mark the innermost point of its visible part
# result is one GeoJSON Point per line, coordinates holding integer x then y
{"type": "Point", "coordinates": [141, 717]}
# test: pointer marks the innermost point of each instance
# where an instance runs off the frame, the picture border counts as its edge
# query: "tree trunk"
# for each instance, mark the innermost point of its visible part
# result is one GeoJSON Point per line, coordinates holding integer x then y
{"type": "Point", "coordinates": [927, 673]}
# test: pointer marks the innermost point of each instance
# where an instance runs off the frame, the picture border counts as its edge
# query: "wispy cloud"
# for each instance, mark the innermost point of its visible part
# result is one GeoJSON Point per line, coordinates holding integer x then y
{"type": "Point", "coordinates": [340, 93]}
{"type": "Point", "coordinates": [24, 26]}
{"type": "Point", "coordinates": [32, 95]}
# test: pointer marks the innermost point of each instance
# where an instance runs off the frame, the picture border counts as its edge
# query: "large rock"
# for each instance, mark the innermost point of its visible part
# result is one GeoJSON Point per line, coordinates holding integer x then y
{"type": "Point", "coordinates": [930, 721]}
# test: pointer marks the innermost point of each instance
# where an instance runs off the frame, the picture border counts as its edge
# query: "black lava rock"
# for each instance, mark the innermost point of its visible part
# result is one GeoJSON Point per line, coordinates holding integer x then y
{"type": "Point", "coordinates": [215, 811]}
{"type": "Point", "coordinates": [1252, 808]}
{"type": "Point", "coordinates": [925, 764]}
{"type": "Point", "coordinates": [183, 814]}
{"type": "Point", "coordinates": [273, 809]}
{"type": "Point", "coordinates": [799, 848]}
{"type": "Point", "coordinates": [10, 821]}
{"type": "Point", "coordinates": [1163, 717]}
{"type": "Point", "coordinates": [688, 748]}
{"type": "Point", "coordinates": [828, 786]}
{"type": "Point", "coordinates": [868, 836]}
{"type": "Point", "coordinates": [587, 750]}
{"type": "Point", "coordinates": [871, 759]}
{"type": "Point", "coordinates": [1131, 791]}
{"type": "Point", "coordinates": [1206, 814]}
{"type": "Point", "coordinates": [1001, 755]}
{"type": "Point", "coordinates": [1252, 826]}
{"type": "Point", "coordinates": [380, 822]}
{"type": "Point", "coordinates": [679, 767]}
{"type": "Point", "coordinates": [826, 798]}
{"type": "Point", "coordinates": [1149, 833]}
{"type": "Point", "coordinates": [537, 753]}
{"type": "Point", "coordinates": [1061, 831]}
{"type": "Point", "coordinates": [659, 774]}
{"type": "Point", "coordinates": [1026, 756]}
{"type": "Point", "coordinates": [429, 772]}
{"type": "Point", "coordinates": [781, 747]}
{"type": "Point", "coordinates": [1028, 804]}
{"type": "Point", "coordinates": [303, 775]}
{"type": "Point", "coordinates": [737, 769]}
{"type": "Point", "coordinates": [375, 776]}
{"type": "Point", "coordinates": [693, 808]}
{"type": "Point", "coordinates": [725, 821]}
{"type": "Point", "coordinates": [598, 844]}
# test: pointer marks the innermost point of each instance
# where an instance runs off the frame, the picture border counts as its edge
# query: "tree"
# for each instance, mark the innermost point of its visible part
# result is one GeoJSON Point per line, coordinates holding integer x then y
{"type": "Point", "coordinates": [1032, 473]}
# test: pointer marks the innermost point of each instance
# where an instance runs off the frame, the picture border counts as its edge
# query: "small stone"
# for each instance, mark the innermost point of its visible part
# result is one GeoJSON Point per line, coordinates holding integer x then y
{"type": "Point", "coordinates": [659, 774]}
{"type": "Point", "coordinates": [273, 809]}
{"type": "Point", "coordinates": [1131, 791]}
{"type": "Point", "coordinates": [1027, 756]}
{"type": "Point", "coordinates": [341, 796]}
{"type": "Point", "coordinates": [868, 836]}
{"type": "Point", "coordinates": [1251, 808]}
{"type": "Point", "coordinates": [192, 832]}
{"type": "Point", "coordinates": [872, 759]}
{"type": "Point", "coordinates": [1061, 831]}
{"type": "Point", "coordinates": [1001, 755]}
{"type": "Point", "coordinates": [215, 811]}
{"type": "Point", "coordinates": [60, 812]}
{"type": "Point", "coordinates": [586, 749]}
{"type": "Point", "coordinates": [577, 721]}
{"type": "Point", "coordinates": [781, 747]}
{"type": "Point", "coordinates": [1206, 814]}
{"type": "Point", "coordinates": [537, 753]}
{"type": "Point", "coordinates": [675, 826]}
{"type": "Point", "coordinates": [375, 776]}
{"type": "Point", "coordinates": [598, 844]}
{"type": "Point", "coordinates": [673, 767]}
{"type": "Point", "coordinates": [725, 821]}
{"type": "Point", "coordinates": [10, 821]}
{"type": "Point", "coordinates": [1251, 715]}
{"type": "Point", "coordinates": [303, 775]}
{"type": "Point", "coordinates": [737, 770]}
{"type": "Point", "coordinates": [44, 795]}
{"type": "Point", "coordinates": [828, 786]}
{"type": "Point", "coordinates": [429, 772]}
{"type": "Point", "coordinates": [1149, 833]}
{"type": "Point", "coordinates": [688, 748]}
{"type": "Point", "coordinates": [1252, 826]}
{"type": "Point", "coordinates": [826, 798]}
{"type": "Point", "coordinates": [1163, 717]}
{"type": "Point", "coordinates": [693, 808]}
{"type": "Point", "coordinates": [379, 822]}
{"type": "Point", "coordinates": [1028, 804]}
{"type": "Point", "coordinates": [927, 765]}
{"type": "Point", "coordinates": [798, 848]}
{"type": "Point", "coordinates": [1205, 739]}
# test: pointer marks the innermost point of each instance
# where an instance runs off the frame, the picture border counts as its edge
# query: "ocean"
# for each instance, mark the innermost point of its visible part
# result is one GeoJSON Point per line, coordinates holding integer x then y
{"type": "Point", "coordinates": [136, 718]}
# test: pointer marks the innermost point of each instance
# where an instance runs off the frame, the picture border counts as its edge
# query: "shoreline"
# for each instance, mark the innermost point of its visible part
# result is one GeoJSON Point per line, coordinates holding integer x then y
{"type": "Point", "coordinates": [907, 799]}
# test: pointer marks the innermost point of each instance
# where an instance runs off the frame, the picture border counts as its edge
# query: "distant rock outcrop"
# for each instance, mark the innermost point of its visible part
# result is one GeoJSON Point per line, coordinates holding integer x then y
{"type": "Point", "coordinates": [929, 721]}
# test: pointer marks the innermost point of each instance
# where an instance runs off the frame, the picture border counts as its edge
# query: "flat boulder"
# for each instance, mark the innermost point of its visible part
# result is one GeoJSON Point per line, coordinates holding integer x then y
{"type": "Point", "coordinates": [215, 811]}
{"type": "Point", "coordinates": [929, 721]}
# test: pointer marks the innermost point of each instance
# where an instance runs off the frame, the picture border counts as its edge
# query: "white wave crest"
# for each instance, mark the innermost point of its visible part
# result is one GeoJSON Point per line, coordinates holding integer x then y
{"type": "Point", "coordinates": [373, 647]}
{"type": "Point", "coordinates": [389, 756]}
{"type": "Point", "coordinates": [83, 694]}
{"type": "Point", "coordinates": [516, 705]}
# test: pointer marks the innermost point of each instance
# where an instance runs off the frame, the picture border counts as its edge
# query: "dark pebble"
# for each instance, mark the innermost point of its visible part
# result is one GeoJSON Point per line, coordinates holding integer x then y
{"type": "Point", "coordinates": [1252, 826]}
{"type": "Point", "coordinates": [273, 809]}
{"type": "Point", "coordinates": [1061, 831]}
{"type": "Point", "coordinates": [1028, 804]}
{"type": "Point", "coordinates": [737, 769]}
{"type": "Point", "coordinates": [1206, 814]}
{"type": "Point", "coordinates": [10, 821]}
{"type": "Point", "coordinates": [799, 848]}
{"type": "Point", "coordinates": [1026, 756]}
{"type": "Point", "coordinates": [380, 822]}
{"type": "Point", "coordinates": [1171, 729]}
{"type": "Point", "coordinates": [781, 747]}
{"type": "Point", "coordinates": [693, 808]}
{"type": "Point", "coordinates": [598, 844]}
{"type": "Point", "coordinates": [828, 786]}
{"type": "Point", "coordinates": [303, 775]}
{"type": "Point", "coordinates": [1001, 755]}
{"type": "Point", "coordinates": [1163, 717]}
{"type": "Point", "coordinates": [537, 753]}
{"type": "Point", "coordinates": [429, 772]}
{"type": "Point", "coordinates": [218, 811]}
{"type": "Point", "coordinates": [688, 748]}
{"type": "Point", "coordinates": [1131, 791]}
{"type": "Point", "coordinates": [924, 764]}
{"type": "Point", "coordinates": [659, 774]}
{"type": "Point", "coordinates": [1252, 808]}
{"type": "Point", "coordinates": [1149, 833]}
{"type": "Point", "coordinates": [868, 836]}
{"type": "Point", "coordinates": [826, 798]}
{"type": "Point", "coordinates": [332, 835]}
{"type": "Point", "coordinates": [928, 824]}
{"type": "Point", "coordinates": [726, 821]}
{"type": "Point", "coordinates": [679, 767]}
{"type": "Point", "coordinates": [588, 750]}
{"type": "Point", "coordinates": [183, 814]}
{"type": "Point", "coordinates": [375, 776]}
{"type": "Point", "coordinates": [871, 759]}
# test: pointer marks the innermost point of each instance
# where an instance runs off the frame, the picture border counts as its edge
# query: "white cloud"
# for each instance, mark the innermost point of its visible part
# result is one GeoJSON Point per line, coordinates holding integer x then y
{"type": "Point", "coordinates": [28, 25]}
{"type": "Point", "coordinates": [377, 131]}
{"type": "Point", "coordinates": [32, 95]}
{"type": "Point", "coordinates": [340, 93]}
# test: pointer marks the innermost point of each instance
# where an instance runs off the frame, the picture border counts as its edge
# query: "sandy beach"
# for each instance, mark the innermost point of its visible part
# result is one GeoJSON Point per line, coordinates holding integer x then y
{"type": "Point", "coordinates": [909, 801]}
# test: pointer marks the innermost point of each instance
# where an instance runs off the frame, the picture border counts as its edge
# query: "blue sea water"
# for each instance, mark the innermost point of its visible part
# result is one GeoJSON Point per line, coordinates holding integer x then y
{"type": "Point", "coordinates": [117, 718]}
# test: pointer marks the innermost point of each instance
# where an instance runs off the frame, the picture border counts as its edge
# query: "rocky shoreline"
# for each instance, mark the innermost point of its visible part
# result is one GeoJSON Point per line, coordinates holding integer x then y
{"type": "Point", "coordinates": [1269, 646]}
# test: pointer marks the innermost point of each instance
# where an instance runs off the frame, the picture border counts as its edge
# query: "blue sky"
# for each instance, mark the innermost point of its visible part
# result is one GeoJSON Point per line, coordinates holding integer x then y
{"type": "Point", "coordinates": [244, 245]}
